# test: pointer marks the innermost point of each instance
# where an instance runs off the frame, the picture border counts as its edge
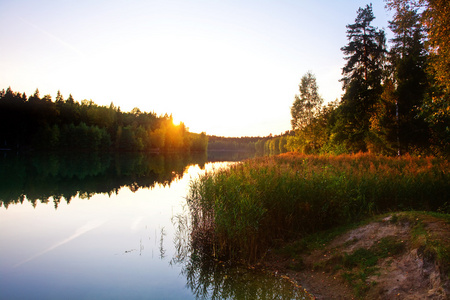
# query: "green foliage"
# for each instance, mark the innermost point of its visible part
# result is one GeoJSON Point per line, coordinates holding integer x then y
{"type": "Point", "coordinates": [246, 208]}
{"type": "Point", "coordinates": [383, 136]}
{"type": "Point", "coordinates": [307, 104]}
{"type": "Point", "coordinates": [199, 142]}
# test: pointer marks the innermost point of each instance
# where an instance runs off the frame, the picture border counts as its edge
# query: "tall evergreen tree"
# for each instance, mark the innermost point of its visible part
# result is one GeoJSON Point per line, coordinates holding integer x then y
{"type": "Point", "coordinates": [408, 59]}
{"type": "Point", "coordinates": [365, 50]}
{"type": "Point", "coordinates": [36, 97]}
{"type": "Point", "coordinates": [436, 105]}
{"type": "Point", "coordinates": [362, 78]}
{"type": "Point", "coordinates": [59, 97]}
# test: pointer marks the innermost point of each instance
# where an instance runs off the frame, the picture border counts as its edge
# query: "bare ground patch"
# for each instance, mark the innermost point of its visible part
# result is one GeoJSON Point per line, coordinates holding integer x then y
{"type": "Point", "coordinates": [402, 256]}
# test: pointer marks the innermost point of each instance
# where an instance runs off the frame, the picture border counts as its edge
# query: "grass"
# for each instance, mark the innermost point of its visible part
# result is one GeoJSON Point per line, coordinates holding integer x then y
{"type": "Point", "coordinates": [242, 211]}
{"type": "Point", "coordinates": [435, 248]}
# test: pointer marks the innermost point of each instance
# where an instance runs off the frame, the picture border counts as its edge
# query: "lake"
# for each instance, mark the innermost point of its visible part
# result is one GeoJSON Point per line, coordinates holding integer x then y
{"type": "Point", "coordinates": [112, 226]}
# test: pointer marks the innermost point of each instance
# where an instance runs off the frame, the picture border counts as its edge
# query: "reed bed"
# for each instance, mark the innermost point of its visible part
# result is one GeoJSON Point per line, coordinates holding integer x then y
{"type": "Point", "coordinates": [242, 211]}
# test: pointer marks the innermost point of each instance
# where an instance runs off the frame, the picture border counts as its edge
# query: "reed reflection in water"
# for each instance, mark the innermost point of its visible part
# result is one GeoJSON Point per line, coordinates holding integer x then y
{"type": "Point", "coordinates": [208, 278]}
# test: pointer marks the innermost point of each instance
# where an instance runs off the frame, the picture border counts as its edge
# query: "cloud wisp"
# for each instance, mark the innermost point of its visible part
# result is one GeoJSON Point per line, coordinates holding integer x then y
{"type": "Point", "coordinates": [53, 37]}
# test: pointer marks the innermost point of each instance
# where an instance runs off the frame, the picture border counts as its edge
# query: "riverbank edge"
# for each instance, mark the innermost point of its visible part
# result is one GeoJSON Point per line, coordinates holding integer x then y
{"type": "Point", "coordinates": [334, 264]}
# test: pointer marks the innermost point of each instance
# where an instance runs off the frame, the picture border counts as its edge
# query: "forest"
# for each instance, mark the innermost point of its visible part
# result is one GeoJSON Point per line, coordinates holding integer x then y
{"type": "Point", "coordinates": [38, 123]}
{"type": "Point", "coordinates": [396, 96]}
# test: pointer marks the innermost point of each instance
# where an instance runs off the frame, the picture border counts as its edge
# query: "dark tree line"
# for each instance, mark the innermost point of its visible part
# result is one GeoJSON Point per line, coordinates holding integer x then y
{"type": "Point", "coordinates": [38, 123]}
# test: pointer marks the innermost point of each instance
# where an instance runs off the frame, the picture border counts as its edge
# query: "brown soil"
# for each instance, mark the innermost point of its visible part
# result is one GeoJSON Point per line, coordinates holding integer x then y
{"type": "Point", "coordinates": [415, 273]}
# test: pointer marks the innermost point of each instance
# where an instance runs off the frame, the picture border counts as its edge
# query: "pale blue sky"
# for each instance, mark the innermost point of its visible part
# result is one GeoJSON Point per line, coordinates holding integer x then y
{"type": "Point", "coordinates": [229, 68]}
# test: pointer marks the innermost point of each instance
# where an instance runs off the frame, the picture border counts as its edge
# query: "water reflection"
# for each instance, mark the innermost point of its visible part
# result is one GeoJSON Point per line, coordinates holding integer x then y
{"type": "Point", "coordinates": [211, 279]}
{"type": "Point", "coordinates": [208, 279]}
{"type": "Point", "coordinates": [123, 244]}
{"type": "Point", "coordinates": [44, 177]}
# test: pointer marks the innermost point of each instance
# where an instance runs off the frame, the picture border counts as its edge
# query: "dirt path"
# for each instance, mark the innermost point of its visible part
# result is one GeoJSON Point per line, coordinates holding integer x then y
{"type": "Point", "coordinates": [402, 256]}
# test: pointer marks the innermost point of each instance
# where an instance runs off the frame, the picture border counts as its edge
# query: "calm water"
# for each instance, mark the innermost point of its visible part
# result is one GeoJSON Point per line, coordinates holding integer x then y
{"type": "Point", "coordinates": [108, 227]}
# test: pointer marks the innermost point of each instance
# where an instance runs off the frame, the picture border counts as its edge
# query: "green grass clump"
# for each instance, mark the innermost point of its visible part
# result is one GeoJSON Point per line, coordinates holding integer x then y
{"type": "Point", "coordinates": [433, 248]}
{"type": "Point", "coordinates": [366, 258]}
{"type": "Point", "coordinates": [362, 263]}
{"type": "Point", "coordinates": [242, 211]}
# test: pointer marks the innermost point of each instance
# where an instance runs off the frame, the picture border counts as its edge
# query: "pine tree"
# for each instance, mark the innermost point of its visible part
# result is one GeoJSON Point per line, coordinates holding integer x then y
{"type": "Point", "coordinates": [59, 97]}
{"type": "Point", "coordinates": [408, 59]}
{"type": "Point", "coordinates": [362, 78]}
{"type": "Point", "coordinates": [435, 109]}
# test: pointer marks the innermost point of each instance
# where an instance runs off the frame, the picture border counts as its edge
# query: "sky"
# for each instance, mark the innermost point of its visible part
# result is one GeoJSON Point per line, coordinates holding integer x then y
{"type": "Point", "coordinates": [227, 68]}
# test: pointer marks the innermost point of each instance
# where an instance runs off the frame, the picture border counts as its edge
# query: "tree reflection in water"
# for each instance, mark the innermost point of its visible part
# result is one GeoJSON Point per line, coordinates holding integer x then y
{"type": "Point", "coordinates": [42, 177]}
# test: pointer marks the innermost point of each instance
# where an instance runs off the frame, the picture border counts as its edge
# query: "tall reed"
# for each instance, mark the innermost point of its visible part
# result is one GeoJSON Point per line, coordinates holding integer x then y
{"type": "Point", "coordinates": [242, 211]}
